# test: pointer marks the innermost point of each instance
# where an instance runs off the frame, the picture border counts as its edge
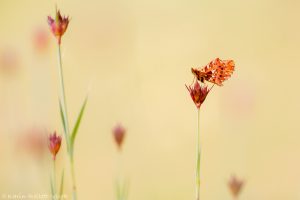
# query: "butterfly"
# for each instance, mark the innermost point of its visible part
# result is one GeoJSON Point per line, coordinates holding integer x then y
{"type": "Point", "coordinates": [216, 72]}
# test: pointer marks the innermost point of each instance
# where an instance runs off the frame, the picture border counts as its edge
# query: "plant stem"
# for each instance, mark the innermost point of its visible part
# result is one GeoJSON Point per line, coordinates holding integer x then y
{"type": "Point", "coordinates": [54, 180]}
{"type": "Point", "coordinates": [63, 98]}
{"type": "Point", "coordinates": [198, 160]}
{"type": "Point", "coordinates": [119, 177]}
{"type": "Point", "coordinates": [73, 178]}
{"type": "Point", "coordinates": [66, 121]}
{"type": "Point", "coordinates": [121, 181]}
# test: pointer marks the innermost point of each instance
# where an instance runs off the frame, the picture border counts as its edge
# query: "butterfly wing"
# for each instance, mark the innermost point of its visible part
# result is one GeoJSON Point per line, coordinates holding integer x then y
{"type": "Point", "coordinates": [218, 71]}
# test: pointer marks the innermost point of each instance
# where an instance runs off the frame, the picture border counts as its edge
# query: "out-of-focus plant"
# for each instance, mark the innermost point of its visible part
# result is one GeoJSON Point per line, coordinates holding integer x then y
{"type": "Point", "coordinates": [32, 142]}
{"type": "Point", "coordinates": [40, 40]}
{"type": "Point", "coordinates": [58, 26]}
{"type": "Point", "coordinates": [122, 186]}
{"type": "Point", "coordinates": [235, 186]}
{"type": "Point", "coordinates": [216, 72]}
{"type": "Point", "coordinates": [9, 60]}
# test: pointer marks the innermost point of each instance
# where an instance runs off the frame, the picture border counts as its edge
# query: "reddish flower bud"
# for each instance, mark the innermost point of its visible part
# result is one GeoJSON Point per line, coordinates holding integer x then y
{"type": "Point", "coordinates": [235, 186]}
{"type": "Point", "coordinates": [58, 25]}
{"type": "Point", "coordinates": [198, 93]}
{"type": "Point", "coordinates": [54, 144]}
{"type": "Point", "coordinates": [119, 134]}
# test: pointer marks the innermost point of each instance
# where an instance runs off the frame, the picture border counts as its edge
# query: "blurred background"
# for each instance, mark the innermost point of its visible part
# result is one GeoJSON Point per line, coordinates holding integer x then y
{"type": "Point", "coordinates": [135, 56]}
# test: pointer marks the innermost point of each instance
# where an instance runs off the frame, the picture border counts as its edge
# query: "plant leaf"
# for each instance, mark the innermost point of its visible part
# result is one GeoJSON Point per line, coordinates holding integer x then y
{"type": "Point", "coordinates": [63, 120]}
{"type": "Point", "coordinates": [62, 115]}
{"type": "Point", "coordinates": [61, 185]}
{"type": "Point", "coordinates": [77, 124]}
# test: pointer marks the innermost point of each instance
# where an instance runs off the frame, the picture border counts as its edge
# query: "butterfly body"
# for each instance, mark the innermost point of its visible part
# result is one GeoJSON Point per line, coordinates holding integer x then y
{"type": "Point", "coordinates": [216, 72]}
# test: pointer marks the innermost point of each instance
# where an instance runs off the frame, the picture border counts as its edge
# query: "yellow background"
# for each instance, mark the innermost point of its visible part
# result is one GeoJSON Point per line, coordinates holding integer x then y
{"type": "Point", "coordinates": [135, 56]}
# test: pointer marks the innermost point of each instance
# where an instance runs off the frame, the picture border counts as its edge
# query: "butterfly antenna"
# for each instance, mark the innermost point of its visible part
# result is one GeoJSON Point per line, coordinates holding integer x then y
{"type": "Point", "coordinates": [211, 87]}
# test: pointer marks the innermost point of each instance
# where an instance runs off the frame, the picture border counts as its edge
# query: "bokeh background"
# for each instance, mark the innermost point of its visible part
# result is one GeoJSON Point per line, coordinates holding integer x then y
{"type": "Point", "coordinates": [135, 57]}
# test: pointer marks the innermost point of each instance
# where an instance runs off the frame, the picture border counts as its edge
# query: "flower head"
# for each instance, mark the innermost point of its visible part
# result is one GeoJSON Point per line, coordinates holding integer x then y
{"type": "Point", "coordinates": [198, 93]}
{"type": "Point", "coordinates": [235, 186]}
{"type": "Point", "coordinates": [58, 25]}
{"type": "Point", "coordinates": [54, 144]}
{"type": "Point", "coordinates": [119, 134]}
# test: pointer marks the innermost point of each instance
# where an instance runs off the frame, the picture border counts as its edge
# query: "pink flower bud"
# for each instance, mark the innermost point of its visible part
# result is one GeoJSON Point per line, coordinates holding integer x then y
{"type": "Point", "coordinates": [54, 144]}
{"type": "Point", "coordinates": [58, 25]}
{"type": "Point", "coordinates": [235, 186]}
{"type": "Point", "coordinates": [119, 134]}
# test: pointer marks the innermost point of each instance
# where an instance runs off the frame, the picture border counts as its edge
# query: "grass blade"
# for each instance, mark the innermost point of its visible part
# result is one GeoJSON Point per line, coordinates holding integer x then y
{"type": "Point", "coordinates": [62, 115]}
{"type": "Point", "coordinates": [77, 124]}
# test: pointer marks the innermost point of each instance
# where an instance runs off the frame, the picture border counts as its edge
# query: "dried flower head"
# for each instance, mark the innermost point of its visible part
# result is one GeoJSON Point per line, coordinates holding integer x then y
{"type": "Point", "coordinates": [54, 144]}
{"type": "Point", "coordinates": [58, 25]}
{"type": "Point", "coordinates": [198, 93]}
{"type": "Point", "coordinates": [119, 134]}
{"type": "Point", "coordinates": [235, 186]}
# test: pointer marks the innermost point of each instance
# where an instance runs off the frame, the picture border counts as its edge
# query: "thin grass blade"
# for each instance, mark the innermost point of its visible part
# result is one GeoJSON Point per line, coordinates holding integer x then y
{"type": "Point", "coordinates": [62, 115]}
{"type": "Point", "coordinates": [77, 124]}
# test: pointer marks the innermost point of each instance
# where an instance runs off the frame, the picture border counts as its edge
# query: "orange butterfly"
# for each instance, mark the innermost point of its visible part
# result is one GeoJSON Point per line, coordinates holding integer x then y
{"type": "Point", "coordinates": [216, 72]}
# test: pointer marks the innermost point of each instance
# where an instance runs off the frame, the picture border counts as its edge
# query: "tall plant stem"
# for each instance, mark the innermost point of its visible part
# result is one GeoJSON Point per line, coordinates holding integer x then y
{"type": "Point", "coordinates": [66, 123]}
{"type": "Point", "coordinates": [198, 159]}
{"type": "Point", "coordinates": [73, 178]}
{"type": "Point", "coordinates": [54, 179]}
{"type": "Point", "coordinates": [63, 99]}
{"type": "Point", "coordinates": [119, 185]}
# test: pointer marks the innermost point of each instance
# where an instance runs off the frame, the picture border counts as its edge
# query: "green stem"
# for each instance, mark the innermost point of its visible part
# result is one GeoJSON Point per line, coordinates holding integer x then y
{"type": "Point", "coordinates": [63, 98]}
{"type": "Point", "coordinates": [198, 160]}
{"type": "Point", "coordinates": [119, 188]}
{"type": "Point", "coordinates": [73, 179]}
{"type": "Point", "coordinates": [54, 179]}
{"type": "Point", "coordinates": [66, 121]}
{"type": "Point", "coordinates": [121, 181]}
